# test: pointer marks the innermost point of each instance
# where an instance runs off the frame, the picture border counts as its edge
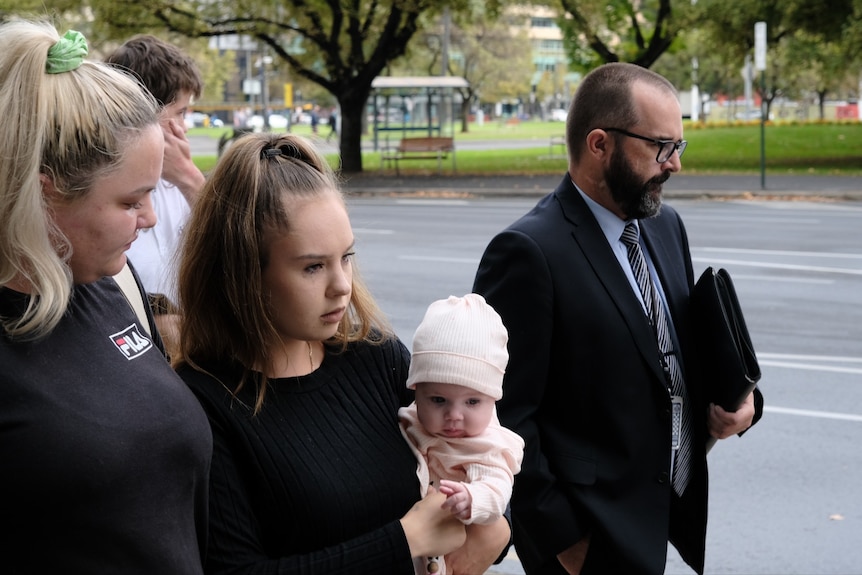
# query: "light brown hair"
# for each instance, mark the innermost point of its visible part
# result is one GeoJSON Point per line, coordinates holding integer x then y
{"type": "Point", "coordinates": [225, 311]}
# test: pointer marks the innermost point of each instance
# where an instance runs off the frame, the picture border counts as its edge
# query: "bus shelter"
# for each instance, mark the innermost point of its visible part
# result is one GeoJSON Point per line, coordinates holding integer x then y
{"type": "Point", "coordinates": [401, 106]}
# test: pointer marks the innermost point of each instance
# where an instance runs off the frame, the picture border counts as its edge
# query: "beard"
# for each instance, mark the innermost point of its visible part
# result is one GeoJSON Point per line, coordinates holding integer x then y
{"type": "Point", "coordinates": [637, 199]}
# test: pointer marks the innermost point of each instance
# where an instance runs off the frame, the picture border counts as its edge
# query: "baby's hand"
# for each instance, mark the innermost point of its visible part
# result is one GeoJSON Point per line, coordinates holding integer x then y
{"type": "Point", "coordinates": [458, 499]}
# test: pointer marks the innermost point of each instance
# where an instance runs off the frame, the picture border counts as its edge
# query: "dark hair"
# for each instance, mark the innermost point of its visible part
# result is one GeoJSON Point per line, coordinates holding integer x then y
{"type": "Point", "coordinates": [162, 67]}
{"type": "Point", "coordinates": [605, 98]}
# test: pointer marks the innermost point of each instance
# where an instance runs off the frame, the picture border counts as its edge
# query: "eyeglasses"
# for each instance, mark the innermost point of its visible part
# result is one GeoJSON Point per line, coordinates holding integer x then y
{"type": "Point", "coordinates": [666, 148]}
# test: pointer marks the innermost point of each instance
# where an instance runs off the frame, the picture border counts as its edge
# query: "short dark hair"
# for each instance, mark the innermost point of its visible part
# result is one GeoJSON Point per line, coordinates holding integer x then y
{"type": "Point", "coordinates": [162, 67]}
{"type": "Point", "coordinates": [605, 98]}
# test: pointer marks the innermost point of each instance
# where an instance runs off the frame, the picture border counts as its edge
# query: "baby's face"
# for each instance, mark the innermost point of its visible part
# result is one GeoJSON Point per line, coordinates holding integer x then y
{"type": "Point", "coordinates": [449, 410]}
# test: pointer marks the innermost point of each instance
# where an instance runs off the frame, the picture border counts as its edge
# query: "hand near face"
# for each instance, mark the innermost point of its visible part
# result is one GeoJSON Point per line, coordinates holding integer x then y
{"type": "Point", "coordinates": [178, 167]}
{"type": "Point", "coordinates": [458, 499]}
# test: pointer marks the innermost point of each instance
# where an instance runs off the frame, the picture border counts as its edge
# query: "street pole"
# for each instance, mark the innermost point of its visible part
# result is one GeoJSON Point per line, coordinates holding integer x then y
{"type": "Point", "coordinates": [762, 130]}
{"type": "Point", "coordinates": [694, 113]}
{"type": "Point", "coordinates": [444, 42]}
{"type": "Point", "coordinates": [760, 64]}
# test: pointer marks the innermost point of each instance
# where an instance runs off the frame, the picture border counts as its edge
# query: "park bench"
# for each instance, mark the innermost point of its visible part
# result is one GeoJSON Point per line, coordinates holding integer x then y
{"type": "Point", "coordinates": [225, 140]}
{"type": "Point", "coordinates": [424, 148]}
{"type": "Point", "coordinates": [558, 142]}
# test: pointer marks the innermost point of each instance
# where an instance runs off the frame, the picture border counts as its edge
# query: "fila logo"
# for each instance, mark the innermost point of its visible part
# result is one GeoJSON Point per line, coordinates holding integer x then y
{"type": "Point", "coordinates": [130, 342]}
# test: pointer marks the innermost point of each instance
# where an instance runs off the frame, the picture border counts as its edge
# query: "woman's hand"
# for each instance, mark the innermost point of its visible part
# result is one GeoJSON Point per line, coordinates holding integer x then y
{"type": "Point", "coordinates": [484, 545]}
{"type": "Point", "coordinates": [430, 529]}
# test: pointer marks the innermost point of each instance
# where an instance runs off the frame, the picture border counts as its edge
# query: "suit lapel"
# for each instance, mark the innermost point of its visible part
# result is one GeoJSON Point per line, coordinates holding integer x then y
{"type": "Point", "coordinates": [590, 239]}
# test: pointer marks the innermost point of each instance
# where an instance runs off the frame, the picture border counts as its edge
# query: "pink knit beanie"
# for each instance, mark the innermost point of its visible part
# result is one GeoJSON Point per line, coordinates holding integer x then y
{"type": "Point", "coordinates": [462, 341]}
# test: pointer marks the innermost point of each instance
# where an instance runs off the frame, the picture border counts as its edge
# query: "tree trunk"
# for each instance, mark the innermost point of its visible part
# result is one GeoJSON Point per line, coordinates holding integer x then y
{"type": "Point", "coordinates": [465, 117]}
{"type": "Point", "coordinates": [352, 110]}
{"type": "Point", "coordinates": [821, 103]}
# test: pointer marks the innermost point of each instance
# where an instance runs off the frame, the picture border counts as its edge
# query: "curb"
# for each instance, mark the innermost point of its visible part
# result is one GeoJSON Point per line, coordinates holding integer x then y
{"type": "Point", "coordinates": [709, 195]}
{"type": "Point", "coordinates": [699, 187]}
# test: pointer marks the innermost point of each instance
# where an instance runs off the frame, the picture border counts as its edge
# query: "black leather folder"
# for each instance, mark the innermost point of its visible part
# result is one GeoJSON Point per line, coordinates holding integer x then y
{"type": "Point", "coordinates": [728, 364]}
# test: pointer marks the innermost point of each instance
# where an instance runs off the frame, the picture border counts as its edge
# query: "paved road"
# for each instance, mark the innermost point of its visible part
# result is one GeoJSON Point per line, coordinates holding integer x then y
{"type": "Point", "coordinates": [786, 498]}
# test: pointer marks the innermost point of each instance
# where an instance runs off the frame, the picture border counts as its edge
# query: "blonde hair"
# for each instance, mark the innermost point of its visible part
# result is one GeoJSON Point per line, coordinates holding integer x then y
{"type": "Point", "coordinates": [70, 128]}
{"type": "Point", "coordinates": [225, 251]}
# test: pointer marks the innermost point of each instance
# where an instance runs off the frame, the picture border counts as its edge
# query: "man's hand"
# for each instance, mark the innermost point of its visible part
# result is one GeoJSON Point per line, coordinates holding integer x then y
{"type": "Point", "coordinates": [723, 424]}
{"type": "Point", "coordinates": [178, 167]}
{"type": "Point", "coordinates": [572, 559]}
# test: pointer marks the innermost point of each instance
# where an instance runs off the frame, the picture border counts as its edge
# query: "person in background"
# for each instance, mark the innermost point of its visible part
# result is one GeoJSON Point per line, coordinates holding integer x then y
{"type": "Point", "coordinates": [333, 125]}
{"type": "Point", "coordinates": [105, 451]}
{"type": "Point", "coordinates": [315, 118]}
{"type": "Point", "coordinates": [175, 80]}
{"type": "Point", "coordinates": [302, 379]}
{"type": "Point", "coordinates": [602, 383]}
{"type": "Point", "coordinates": [456, 369]}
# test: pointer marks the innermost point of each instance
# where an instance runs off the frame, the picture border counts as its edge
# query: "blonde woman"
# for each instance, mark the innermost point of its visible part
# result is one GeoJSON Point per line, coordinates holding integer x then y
{"type": "Point", "coordinates": [105, 452]}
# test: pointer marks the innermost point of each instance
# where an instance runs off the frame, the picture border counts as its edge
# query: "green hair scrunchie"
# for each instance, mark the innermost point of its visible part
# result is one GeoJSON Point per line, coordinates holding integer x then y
{"type": "Point", "coordinates": [67, 54]}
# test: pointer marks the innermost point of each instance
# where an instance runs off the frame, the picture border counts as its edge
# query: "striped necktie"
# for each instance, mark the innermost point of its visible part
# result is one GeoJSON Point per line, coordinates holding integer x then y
{"type": "Point", "coordinates": [670, 362]}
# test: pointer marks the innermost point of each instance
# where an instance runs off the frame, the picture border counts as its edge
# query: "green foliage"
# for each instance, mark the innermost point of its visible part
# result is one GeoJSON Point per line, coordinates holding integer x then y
{"type": "Point", "coordinates": [811, 148]}
{"type": "Point", "coordinates": [636, 31]}
{"type": "Point", "coordinates": [834, 148]}
{"type": "Point", "coordinates": [340, 46]}
{"type": "Point", "coordinates": [732, 28]}
{"type": "Point", "coordinates": [811, 49]}
{"type": "Point", "coordinates": [482, 48]}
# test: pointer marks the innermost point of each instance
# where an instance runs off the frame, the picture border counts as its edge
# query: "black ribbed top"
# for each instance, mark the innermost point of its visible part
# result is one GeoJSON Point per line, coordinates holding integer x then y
{"type": "Point", "coordinates": [316, 482]}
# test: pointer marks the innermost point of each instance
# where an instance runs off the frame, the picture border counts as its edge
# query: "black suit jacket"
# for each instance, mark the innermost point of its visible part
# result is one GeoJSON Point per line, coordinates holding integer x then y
{"type": "Point", "coordinates": [585, 389]}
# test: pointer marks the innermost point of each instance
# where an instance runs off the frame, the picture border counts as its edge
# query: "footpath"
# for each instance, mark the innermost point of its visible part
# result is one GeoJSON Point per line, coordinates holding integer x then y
{"type": "Point", "coordinates": [777, 187]}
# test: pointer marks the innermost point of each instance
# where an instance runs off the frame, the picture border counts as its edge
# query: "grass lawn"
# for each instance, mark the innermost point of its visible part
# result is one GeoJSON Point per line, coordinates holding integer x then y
{"type": "Point", "coordinates": [813, 148]}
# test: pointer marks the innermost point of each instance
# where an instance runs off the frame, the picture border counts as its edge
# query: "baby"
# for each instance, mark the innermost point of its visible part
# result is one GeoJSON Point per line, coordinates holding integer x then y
{"type": "Point", "coordinates": [457, 365]}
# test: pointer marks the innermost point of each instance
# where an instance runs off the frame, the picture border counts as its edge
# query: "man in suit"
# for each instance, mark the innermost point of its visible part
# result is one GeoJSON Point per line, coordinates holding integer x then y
{"type": "Point", "coordinates": [588, 384]}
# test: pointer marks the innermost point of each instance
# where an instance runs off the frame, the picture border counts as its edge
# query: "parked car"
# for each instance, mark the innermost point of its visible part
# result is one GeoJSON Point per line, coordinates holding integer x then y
{"type": "Point", "coordinates": [196, 120]}
{"type": "Point", "coordinates": [201, 120]}
{"type": "Point", "coordinates": [559, 115]}
{"type": "Point", "coordinates": [275, 121]}
{"type": "Point", "coordinates": [752, 114]}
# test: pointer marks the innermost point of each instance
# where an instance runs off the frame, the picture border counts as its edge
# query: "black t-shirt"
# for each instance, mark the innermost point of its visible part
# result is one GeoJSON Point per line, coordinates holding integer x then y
{"type": "Point", "coordinates": [104, 451]}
